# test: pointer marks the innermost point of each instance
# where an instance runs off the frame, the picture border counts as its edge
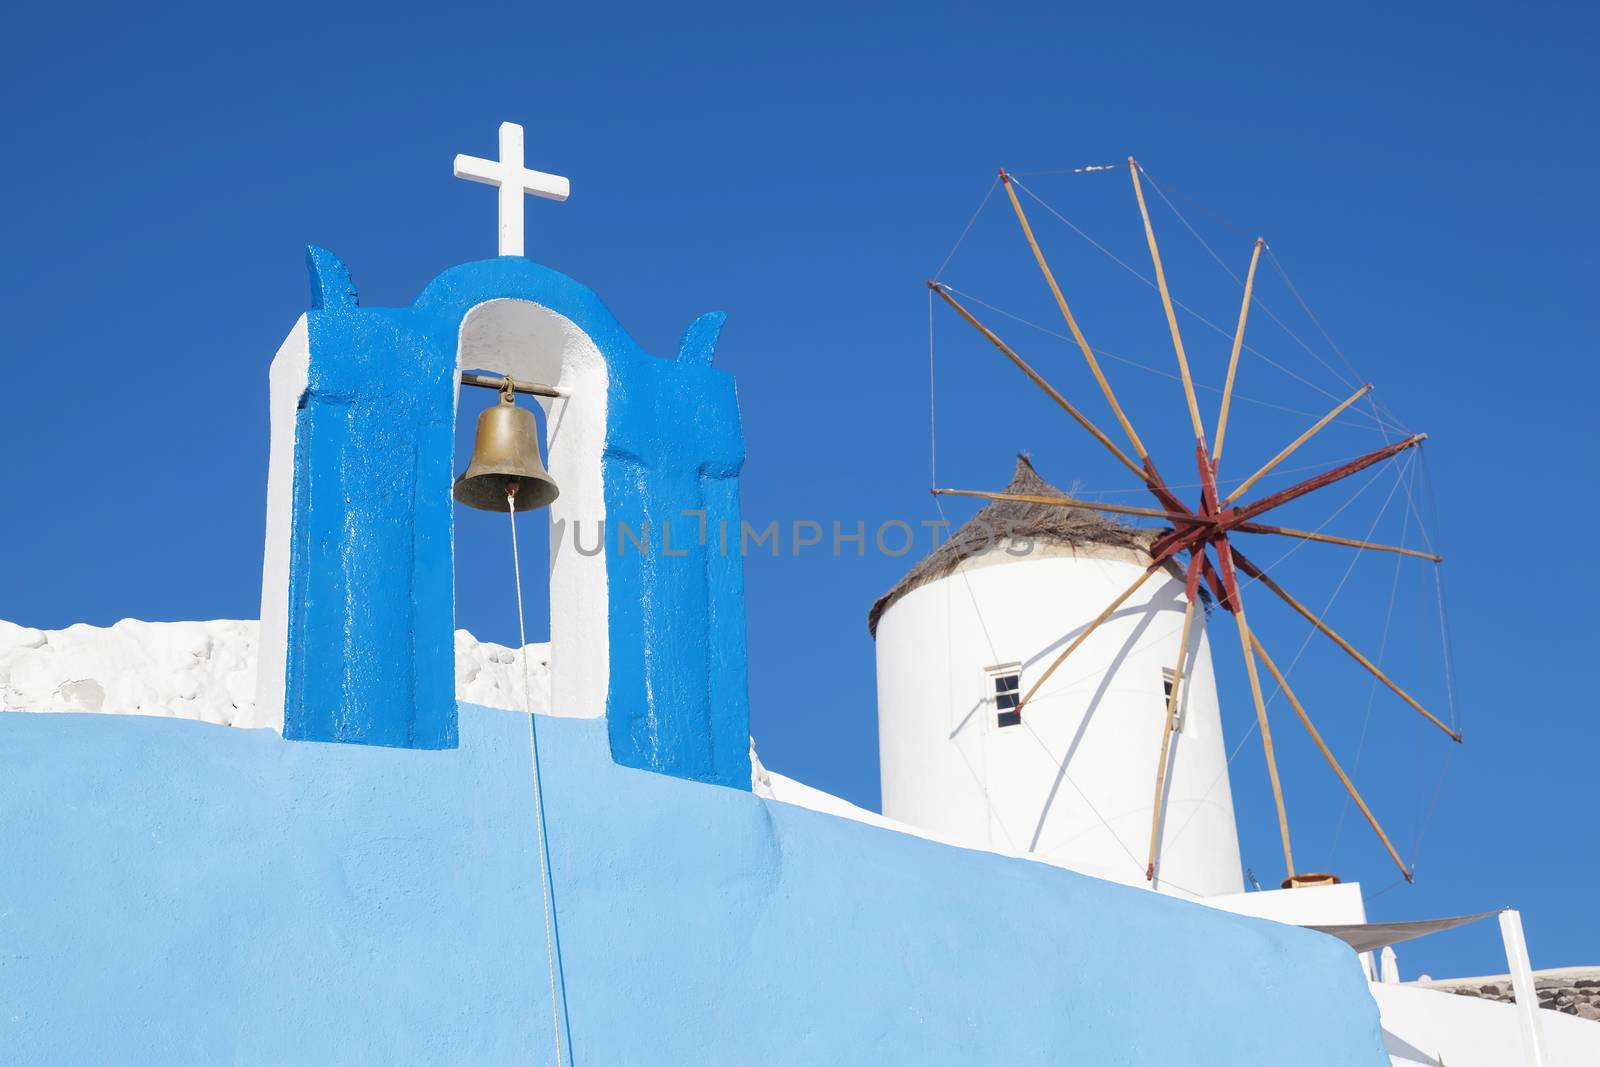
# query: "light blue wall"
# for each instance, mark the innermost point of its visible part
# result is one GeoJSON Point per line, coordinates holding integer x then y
{"type": "Point", "coordinates": [371, 601]}
{"type": "Point", "coordinates": [178, 893]}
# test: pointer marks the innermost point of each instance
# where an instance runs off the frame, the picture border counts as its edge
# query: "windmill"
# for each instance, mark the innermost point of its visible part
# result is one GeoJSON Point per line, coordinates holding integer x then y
{"type": "Point", "coordinates": [1205, 537]}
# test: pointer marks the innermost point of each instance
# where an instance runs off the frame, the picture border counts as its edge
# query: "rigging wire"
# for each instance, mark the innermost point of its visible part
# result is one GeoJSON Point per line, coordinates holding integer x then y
{"type": "Point", "coordinates": [1372, 691]}
{"type": "Point", "coordinates": [1444, 625]}
{"type": "Point", "coordinates": [1062, 767]}
{"type": "Point", "coordinates": [1348, 570]}
{"type": "Point", "coordinates": [1273, 257]}
{"type": "Point", "coordinates": [933, 439]}
{"type": "Point", "coordinates": [933, 407]}
{"type": "Point", "coordinates": [1396, 884]}
{"type": "Point", "coordinates": [1221, 218]}
{"type": "Point", "coordinates": [983, 785]}
{"type": "Point", "coordinates": [1416, 512]}
{"type": "Point", "coordinates": [1433, 807]}
{"type": "Point", "coordinates": [1091, 168]}
{"type": "Point", "coordinates": [968, 228]}
{"type": "Point", "coordinates": [1256, 301]}
{"type": "Point", "coordinates": [1371, 401]}
{"type": "Point", "coordinates": [1377, 424]}
{"type": "Point", "coordinates": [1195, 314]}
{"type": "Point", "coordinates": [1275, 473]}
{"type": "Point", "coordinates": [1282, 273]}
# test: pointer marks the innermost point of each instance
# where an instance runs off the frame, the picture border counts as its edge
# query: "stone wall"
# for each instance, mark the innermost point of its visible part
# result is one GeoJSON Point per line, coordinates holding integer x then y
{"type": "Point", "coordinates": [204, 670]}
{"type": "Point", "coordinates": [1573, 990]}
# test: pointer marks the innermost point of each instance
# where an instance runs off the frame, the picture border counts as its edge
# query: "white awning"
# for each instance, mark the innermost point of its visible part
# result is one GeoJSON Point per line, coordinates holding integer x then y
{"type": "Point", "coordinates": [1369, 937]}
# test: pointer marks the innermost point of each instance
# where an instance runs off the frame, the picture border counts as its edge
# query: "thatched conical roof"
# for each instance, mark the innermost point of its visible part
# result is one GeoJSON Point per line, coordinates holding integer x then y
{"type": "Point", "coordinates": [1040, 523]}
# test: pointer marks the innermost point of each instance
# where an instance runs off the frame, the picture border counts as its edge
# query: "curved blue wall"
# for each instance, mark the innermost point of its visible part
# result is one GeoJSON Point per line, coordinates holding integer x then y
{"type": "Point", "coordinates": [180, 893]}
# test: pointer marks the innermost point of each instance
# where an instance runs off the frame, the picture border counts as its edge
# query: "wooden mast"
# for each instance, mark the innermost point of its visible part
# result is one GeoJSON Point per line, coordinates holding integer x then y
{"type": "Point", "coordinates": [1233, 359]}
{"type": "Point", "coordinates": [1327, 631]}
{"type": "Point", "coordinates": [1037, 379]}
{"type": "Point", "coordinates": [1266, 735]}
{"type": "Point", "coordinates": [1289, 449]}
{"type": "Point", "coordinates": [1166, 304]}
{"type": "Point", "coordinates": [1246, 512]}
{"type": "Point", "coordinates": [1305, 720]}
{"type": "Point", "coordinates": [1084, 634]}
{"type": "Point", "coordinates": [1072, 323]}
{"type": "Point", "coordinates": [1331, 539]}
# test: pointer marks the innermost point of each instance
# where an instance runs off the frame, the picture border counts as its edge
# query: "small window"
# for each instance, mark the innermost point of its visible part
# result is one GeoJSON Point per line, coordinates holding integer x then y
{"type": "Point", "coordinates": [1005, 682]}
{"type": "Point", "coordinates": [1168, 677]}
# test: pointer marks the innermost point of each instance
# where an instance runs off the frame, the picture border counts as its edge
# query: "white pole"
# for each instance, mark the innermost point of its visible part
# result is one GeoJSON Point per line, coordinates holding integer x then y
{"type": "Point", "coordinates": [1389, 972]}
{"type": "Point", "coordinates": [1522, 986]}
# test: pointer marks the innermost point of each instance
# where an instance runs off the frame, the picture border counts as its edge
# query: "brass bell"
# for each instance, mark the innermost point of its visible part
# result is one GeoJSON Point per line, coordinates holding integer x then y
{"type": "Point", "coordinates": [506, 455]}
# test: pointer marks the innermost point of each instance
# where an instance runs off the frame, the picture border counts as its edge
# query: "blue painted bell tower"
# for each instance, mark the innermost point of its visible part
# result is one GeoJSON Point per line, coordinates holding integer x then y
{"type": "Point", "coordinates": [647, 600]}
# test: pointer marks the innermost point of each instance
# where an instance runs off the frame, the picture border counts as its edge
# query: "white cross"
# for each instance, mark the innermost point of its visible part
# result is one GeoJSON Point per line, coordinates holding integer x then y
{"type": "Point", "coordinates": [513, 180]}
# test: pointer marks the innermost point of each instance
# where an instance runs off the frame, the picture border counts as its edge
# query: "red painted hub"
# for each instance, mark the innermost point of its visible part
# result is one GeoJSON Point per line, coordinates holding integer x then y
{"type": "Point", "coordinates": [1210, 524]}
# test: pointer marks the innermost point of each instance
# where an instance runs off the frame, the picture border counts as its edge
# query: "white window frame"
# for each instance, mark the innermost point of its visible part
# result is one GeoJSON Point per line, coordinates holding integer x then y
{"type": "Point", "coordinates": [994, 696]}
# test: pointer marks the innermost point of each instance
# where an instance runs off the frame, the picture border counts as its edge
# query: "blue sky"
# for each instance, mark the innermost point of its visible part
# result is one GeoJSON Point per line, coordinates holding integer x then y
{"type": "Point", "coordinates": [1421, 173]}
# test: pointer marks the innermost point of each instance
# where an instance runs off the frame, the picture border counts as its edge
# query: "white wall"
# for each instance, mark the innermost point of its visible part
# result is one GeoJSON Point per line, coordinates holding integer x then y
{"type": "Point", "coordinates": [1425, 1026]}
{"type": "Point", "coordinates": [287, 381]}
{"type": "Point", "coordinates": [1312, 905]}
{"type": "Point", "coordinates": [946, 766]}
{"type": "Point", "coordinates": [206, 670]}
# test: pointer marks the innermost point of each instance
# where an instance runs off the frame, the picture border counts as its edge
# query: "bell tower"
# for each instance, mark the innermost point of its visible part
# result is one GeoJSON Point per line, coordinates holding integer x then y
{"type": "Point", "coordinates": [358, 580]}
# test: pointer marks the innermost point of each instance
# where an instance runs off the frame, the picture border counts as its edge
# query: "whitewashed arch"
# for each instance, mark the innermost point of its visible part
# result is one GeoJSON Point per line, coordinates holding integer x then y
{"type": "Point", "coordinates": [532, 343]}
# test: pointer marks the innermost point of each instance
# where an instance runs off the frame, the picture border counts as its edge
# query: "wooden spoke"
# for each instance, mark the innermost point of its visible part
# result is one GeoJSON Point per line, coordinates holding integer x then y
{"type": "Point", "coordinates": [1166, 304]}
{"type": "Point", "coordinates": [1035, 377]}
{"type": "Point", "coordinates": [1070, 502]}
{"type": "Point", "coordinates": [1266, 733]}
{"type": "Point", "coordinates": [1084, 635]}
{"type": "Point", "coordinates": [1311, 535]}
{"type": "Point", "coordinates": [1166, 738]}
{"type": "Point", "coordinates": [1296, 443]}
{"type": "Point", "coordinates": [1261, 576]}
{"type": "Point", "coordinates": [1072, 323]}
{"type": "Point", "coordinates": [1305, 720]}
{"type": "Point", "coordinates": [1238, 343]}
{"type": "Point", "coordinates": [1344, 470]}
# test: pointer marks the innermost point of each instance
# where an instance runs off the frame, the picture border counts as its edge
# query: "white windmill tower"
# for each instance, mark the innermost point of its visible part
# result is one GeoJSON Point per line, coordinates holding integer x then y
{"type": "Point", "coordinates": [976, 624]}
